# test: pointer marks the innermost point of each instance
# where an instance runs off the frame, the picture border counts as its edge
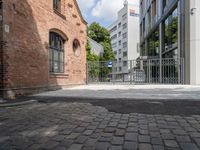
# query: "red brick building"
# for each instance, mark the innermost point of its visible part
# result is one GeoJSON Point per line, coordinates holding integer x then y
{"type": "Point", "coordinates": [42, 46]}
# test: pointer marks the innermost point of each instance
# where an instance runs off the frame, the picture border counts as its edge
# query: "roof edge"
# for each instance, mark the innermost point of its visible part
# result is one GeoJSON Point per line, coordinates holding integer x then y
{"type": "Point", "coordinates": [85, 22]}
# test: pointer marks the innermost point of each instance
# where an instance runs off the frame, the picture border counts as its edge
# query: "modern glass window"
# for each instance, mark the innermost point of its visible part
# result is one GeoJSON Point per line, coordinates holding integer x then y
{"type": "Point", "coordinates": [120, 51]}
{"type": "Point", "coordinates": [56, 53]}
{"type": "Point", "coordinates": [120, 43]}
{"type": "Point", "coordinates": [125, 63]}
{"type": "Point", "coordinates": [125, 26]}
{"type": "Point", "coordinates": [119, 25]}
{"type": "Point", "coordinates": [119, 34]}
{"type": "Point", "coordinates": [124, 54]}
{"type": "Point", "coordinates": [113, 29]}
{"type": "Point", "coordinates": [114, 37]}
{"type": "Point", "coordinates": [171, 30]}
{"type": "Point", "coordinates": [124, 35]}
{"type": "Point", "coordinates": [153, 44]}
{"type": "Point", "coordinates": [120, 69]}
{"type": "Point", "coordinates": [124, 17]}
{"type": "Point", "coordinates": [124, 44]}
{"type": "Point", "coordinates": [114, 45]}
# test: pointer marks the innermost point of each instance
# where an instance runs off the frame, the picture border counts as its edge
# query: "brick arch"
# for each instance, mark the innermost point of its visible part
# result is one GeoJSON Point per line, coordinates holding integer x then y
{"type": "Point", "coordinates": [61, 33]}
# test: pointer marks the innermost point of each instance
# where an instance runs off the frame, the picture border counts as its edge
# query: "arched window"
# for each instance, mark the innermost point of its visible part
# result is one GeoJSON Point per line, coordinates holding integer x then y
{"type": "Point", "coordinates": [76, 47]}
{"type": "Point", "coordinates": [56, 53]}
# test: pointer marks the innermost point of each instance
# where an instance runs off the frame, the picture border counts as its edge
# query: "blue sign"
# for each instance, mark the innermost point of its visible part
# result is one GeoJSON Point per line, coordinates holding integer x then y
{"type": "Point", "coordinates": [110, 64]}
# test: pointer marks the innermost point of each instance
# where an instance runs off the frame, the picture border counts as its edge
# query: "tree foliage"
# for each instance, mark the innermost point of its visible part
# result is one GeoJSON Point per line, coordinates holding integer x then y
{"type": "Point", "coordinates": [90, 56]}
{"type": "Point", "coordinates": [102, 36]}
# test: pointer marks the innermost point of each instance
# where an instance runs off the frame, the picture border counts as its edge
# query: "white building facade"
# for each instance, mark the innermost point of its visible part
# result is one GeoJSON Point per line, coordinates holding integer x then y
{"type": "Point", "coordinates": [125, 38]}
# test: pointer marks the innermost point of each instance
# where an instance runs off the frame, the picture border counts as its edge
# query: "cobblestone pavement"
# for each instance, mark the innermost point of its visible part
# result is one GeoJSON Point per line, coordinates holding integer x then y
{"type": "Point", "coordinates": [78, 126]}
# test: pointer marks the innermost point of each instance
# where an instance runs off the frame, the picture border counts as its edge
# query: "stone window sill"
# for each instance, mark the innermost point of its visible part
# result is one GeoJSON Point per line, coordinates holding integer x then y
{"type": "Point", "coordinates": [59, 74]}
{"type": "Point", "coordinates": [59, 14]}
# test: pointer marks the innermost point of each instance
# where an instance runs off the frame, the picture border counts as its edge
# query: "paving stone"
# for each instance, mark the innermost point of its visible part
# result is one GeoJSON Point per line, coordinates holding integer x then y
{"type": "Point", "coordinates": [195, 134]}
{"type": "Point", "coordinates": [165, 131]}
{"type": "Point", "coordinates": [145, 147]}
{"type": "Point", "coordinates": [144, 132]}
{"type": "Point", "coordinates": [120, 132]}
{"type": "Point", "coordinates": [81, 139]}
{"type": "Point", "coordinates": [110, 130]}
{"type": "Point", "coordinates": [50, 145]}
{"type": "Point", "coordinates": [171, 143]}
{"type": "Point", "coordinates": [144, 139]}
{"type": "Point", "coordinates": [66, 143]}
{"type": "Point", "coordinates": [183, 139]}
{"type": "Point", "coordinates": [102, 146]}
{"type": "Point", "coordinates": [179, 132]}
{"type": "Point", "coordinates": [155, 134]}
{"type": "Point", "coordinates": [117, 141]}
{"type": "Point", "coordinates": [90, 142]}
{"type": "Point", "coordinates": [73, 136]}
{"type": "Point", "coordinates": [168, 136]}
{"type": "Point", "coordinates": [189, 146]}
{"type": "Point", "coordinates": [132, 129]}
{"type": "Point", "coordinates": [197, 140]}
{"type": "Point", "coordinates": [156, 141]}
{"type": "Point", "coordinates": [4, 138]}
{"type": "Point", "coordinates": [58, 138]}
{"type": "Point", "coordinates": [113, 124]}
{"type": "Point", "coordinates": [34, 147]}
{"type": "Point", "coordinates": [131, 137]}
{"type": "Point", "coordinates": [88, 148]}
{"type": "Point", "coordinates": [122, 126]}
{"type": "Point", "coordinates": [88, 132]}
{"type": "Point", "coordinates": [107, 134]}
{"type": "Point", "coordinates": [60, 148]}
{"type": "Point", "coordinates": [173, 149]}
{"type": "Point", "coordinates": [105, 139]}
{"type": "Point", "coordinates": [114, 147]}
{"type": "Point", "coordinates": [130, 146]}
{"type": "Point", "coordinates": [158, 147]}
{"type": "Point", "coordinates": [91, 127]}
{"type": "Point", "coordinates": [75, 147]}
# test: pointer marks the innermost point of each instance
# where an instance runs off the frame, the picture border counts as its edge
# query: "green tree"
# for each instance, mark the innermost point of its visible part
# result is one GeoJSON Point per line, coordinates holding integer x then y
{"type": "Point", "coordinates": [102, 36]}
{"type": "Point", "coordinates": [90, 56]}
{"type": "Point", "coordinates": [100, 69]}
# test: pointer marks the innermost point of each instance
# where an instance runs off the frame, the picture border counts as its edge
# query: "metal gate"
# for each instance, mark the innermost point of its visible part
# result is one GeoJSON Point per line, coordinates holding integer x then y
{"type": "Point", "coordinates": [141, 71]}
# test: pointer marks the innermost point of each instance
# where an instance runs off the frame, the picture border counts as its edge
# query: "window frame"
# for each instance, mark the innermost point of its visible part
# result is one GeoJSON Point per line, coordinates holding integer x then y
{"type": "Point", "coordinates": [56, 47]}
{"type": "Point", "coordinates": [57, 5]}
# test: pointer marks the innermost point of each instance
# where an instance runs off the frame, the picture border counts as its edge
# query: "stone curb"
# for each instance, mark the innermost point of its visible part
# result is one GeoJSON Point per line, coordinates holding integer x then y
{"type": "Point", "coordinates": [18, 103]}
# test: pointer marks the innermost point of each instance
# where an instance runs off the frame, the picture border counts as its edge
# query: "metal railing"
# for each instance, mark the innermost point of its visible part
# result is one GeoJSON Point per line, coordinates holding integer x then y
{"type": "Point", "coordinates": [141, 71]}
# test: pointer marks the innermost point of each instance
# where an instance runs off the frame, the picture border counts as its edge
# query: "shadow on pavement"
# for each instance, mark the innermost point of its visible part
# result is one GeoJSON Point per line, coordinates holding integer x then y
{"type": "Point", "coordinates": [171, 107]}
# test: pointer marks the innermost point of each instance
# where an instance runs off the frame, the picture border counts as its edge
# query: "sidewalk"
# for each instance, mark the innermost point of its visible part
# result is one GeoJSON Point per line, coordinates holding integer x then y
{"type": "Point", "coordinates": [130, 92]}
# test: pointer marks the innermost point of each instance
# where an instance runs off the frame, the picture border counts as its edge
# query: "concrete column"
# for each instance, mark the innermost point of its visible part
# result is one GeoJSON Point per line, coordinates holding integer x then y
{"type": "Point", "coordinates": [161, 39]}
{"type": "Point", "coordinates": [195, 42]}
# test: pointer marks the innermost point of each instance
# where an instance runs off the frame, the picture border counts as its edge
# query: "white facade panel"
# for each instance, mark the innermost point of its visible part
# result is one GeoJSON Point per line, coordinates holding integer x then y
{"type": "Point", "coordinates": [195, 42]}
{"type": "Point", "coordinates": [127, 39]}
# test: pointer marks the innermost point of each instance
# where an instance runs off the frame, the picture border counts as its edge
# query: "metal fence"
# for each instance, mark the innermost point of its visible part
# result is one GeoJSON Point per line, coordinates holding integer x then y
{"type": "Point", "coordinates": [141, 71]}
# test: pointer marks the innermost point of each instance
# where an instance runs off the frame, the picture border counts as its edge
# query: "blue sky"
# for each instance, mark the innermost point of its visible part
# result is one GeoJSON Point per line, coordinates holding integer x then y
{"type": "Point", "coordinates": [101, 11]}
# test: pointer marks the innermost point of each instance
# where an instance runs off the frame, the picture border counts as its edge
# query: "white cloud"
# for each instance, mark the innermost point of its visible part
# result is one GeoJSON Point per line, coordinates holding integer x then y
{"type": "Point", "coordinates": [86, 4]}
{"type": "Point", "coordinates": [107, 9]}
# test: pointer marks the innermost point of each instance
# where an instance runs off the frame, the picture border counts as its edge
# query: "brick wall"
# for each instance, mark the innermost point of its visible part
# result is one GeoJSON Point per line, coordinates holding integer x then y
{"type": "Point", "coordinates": [26, 53]}
{"type": "Point", "coordinates": [1, 44]}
